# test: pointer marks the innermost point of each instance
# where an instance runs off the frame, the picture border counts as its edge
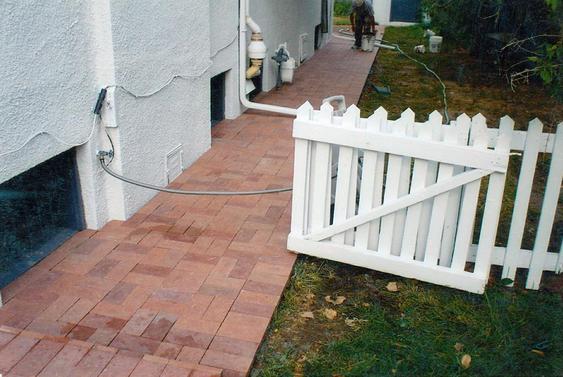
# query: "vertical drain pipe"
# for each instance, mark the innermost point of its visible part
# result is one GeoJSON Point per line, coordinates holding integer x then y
{"type": "Point", "coordinates": [244, 19]}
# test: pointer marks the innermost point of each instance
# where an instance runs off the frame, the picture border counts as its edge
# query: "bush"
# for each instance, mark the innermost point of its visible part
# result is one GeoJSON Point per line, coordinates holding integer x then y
{"type": "Point", "coordinates": [524, 34]}
{"type": "Point", "coordinates": [342, 7]}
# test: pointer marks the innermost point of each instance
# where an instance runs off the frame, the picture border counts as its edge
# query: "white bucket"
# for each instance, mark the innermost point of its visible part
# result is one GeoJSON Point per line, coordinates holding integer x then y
{"type": "Point", "coordinates": [435, 44]}
{"type": "Point", "coordinates": [287, 70]}
{"type": "Point", "coordinates": [368, 42]}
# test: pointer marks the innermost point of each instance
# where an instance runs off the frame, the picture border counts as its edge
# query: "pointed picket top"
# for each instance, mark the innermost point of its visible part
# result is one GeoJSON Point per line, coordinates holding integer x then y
{"type": "Point", "coordinates": [463, 119]}
{"type": "Point", "coordinates": [480, 119]}
{"type": "Point", "coordinates": [435, 117]}
{"type": "Point", "coordinates": [408, 115]}
{"type": "Point", "coordinates": [435, 121]}
{"type": "Point", "coordinates": [305, 111]}
{"type": "Point", "coordinates": [505, 132]}
{"type": "Point", "coordinates": [326, 113]}
{"type": "Point", "coordinates": [535, 125]}
{"type": "Point", "coordinates": [479, 131]}
{"type": "Point", "coordinates": [351, 118]}
{"type": "Point", "coordinates": [463, 123]}
{"type": "Point", "coordinates": [378, 120]}
{"type": "Point", "coordinates": [407, 118]}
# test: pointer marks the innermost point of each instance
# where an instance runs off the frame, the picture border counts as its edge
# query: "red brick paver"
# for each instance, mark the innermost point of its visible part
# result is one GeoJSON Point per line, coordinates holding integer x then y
{"type": "Point", "coordinates": [188, 285]}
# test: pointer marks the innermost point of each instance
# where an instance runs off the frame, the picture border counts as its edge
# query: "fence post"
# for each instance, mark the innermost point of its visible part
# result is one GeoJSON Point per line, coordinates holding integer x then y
{"type": "Point", "coordinates": [418, 183]}
{"type": "Point", "coordinates": [346, 182]}
{"type": "Point", "coordinates": [407, 117]}
{"type": "Point", "coordinates": [548, 209]}
{"type": "Point", "coordinates": [523, 191]}
{"type": "Point", "coordinates": [435, 121]}
{"type": "Point", "coordinates": [371, 188]}
{"type": "Point", "coordinates": [301, 173]}
{"type": "Point", "coordinates": [321, 176]}
{"type": "Point", "coordinates": [493, 204]}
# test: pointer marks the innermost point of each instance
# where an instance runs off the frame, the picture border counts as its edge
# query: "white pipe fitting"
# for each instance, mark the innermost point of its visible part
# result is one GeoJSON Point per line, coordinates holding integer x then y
{"type": "Point", "coordinates": [244, 19]}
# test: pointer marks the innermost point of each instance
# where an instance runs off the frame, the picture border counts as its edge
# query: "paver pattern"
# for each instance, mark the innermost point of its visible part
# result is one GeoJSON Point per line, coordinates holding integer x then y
{"type": "Point", "coordinates": [188, 285]}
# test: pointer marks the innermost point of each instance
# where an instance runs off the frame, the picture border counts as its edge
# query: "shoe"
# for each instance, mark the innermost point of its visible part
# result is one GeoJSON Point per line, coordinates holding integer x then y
{"type": "Point", "coordinates": [354, 47]}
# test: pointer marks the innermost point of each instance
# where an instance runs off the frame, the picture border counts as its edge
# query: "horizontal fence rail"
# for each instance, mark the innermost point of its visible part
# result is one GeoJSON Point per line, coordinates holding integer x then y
{"type": "Point", "coordinates": [424, 200]}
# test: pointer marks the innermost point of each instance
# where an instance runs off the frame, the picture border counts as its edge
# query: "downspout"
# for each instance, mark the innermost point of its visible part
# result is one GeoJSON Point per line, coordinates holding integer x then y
{"type": "Point", "coordinates": [244, 20]}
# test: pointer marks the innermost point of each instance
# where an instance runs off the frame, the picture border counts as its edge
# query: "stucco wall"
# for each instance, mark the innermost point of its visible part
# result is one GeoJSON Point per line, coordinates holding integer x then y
{"type": "Point", "coordinates": [223, 30]}
{"type": "Point", "coordinates": [48, 80]}
{"type": "Point", "coordinates": [150, 47]}
{"type": "Point", "coordinates": [57, 55]}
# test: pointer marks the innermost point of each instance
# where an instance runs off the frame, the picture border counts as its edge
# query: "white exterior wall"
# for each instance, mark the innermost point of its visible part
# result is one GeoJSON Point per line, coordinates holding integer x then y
{"type": "Point", "coordinates": [284, 21]}
{"type": "Point", "coordinates": [382, 11]}
{"type": "Point", "coordinates": [57, 56]}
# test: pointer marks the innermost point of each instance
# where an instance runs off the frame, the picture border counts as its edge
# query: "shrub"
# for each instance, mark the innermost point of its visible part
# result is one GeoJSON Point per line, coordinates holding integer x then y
{"type": "Point", "coordinates": [342, 7]}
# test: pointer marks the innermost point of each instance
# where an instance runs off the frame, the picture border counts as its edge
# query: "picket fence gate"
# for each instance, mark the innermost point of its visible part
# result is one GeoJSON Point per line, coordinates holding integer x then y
{"type": "Point", "coordinates": [401, 197]}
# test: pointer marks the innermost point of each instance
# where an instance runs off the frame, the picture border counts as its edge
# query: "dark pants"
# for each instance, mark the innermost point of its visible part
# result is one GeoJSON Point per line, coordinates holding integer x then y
{"type": "Point", "coordinates": [359, 31]}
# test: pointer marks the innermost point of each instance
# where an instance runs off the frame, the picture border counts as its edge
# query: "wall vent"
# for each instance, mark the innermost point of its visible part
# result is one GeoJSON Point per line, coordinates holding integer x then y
{"type": "Point", "coordinates": [174, 163]}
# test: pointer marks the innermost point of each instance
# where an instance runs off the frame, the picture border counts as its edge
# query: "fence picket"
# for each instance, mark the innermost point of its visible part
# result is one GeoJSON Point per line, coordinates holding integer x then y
{"type": "Point", "coordinates": [435, 120]}
{"type": "Point", "coordinates": [523, 192]}
{"type": "Point", "coordinates": [392, 183]}
{"type": "Point", "coordinates": [407, 117]}
{"type": "Point", "coordinates": [493, 204]}
{"type": "Point", "coordinates": [419, 202]}
{"type": "Point", "coordinates": [452, 214]}
{"type": "Point", "coordinates": [548, 209]}
{"type": "Point", "coordinates": [371, 188]}
{"type": "Point", "coordinates": [470, 197]}
{"type": "Point", "coordinates": [345, 201]}
{"type": "Point", "coordinates": [300, 195]}
{"type": "Point", "coordinates": [321, 172]}
{"type": "Point", "coordinates": [412, 222]}
{"type": "Point", "coordinates": [445, 172]}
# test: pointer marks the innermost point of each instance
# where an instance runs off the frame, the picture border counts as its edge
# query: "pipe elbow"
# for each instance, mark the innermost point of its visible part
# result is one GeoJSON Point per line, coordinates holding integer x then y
{"type": "Point", "coordinates": [253, 26]}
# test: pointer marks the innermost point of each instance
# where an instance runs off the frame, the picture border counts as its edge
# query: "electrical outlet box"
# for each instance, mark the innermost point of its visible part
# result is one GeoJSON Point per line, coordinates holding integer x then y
{"type": "Point", "coordinates": [108, 113]}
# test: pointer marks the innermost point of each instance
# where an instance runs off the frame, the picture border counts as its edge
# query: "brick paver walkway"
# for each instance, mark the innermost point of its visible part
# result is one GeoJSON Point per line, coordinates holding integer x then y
{"type": "Point", "coordinates": [187, 286]}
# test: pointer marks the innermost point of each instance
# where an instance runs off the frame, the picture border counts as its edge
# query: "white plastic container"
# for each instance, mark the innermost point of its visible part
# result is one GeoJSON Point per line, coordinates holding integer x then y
{"type": "Point", "coordinates": [368, 42]}
{"type": "Point", "coordinates": [435, 44]}
{"type": "Point", "coordinates": [287, 70]}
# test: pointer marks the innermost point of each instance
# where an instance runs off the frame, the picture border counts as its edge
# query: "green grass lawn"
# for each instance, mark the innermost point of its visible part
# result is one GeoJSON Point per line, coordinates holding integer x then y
{"type": "Point", "coordinates": [423, 329]}
{"type": "Point", "coordinates": [419, 330]}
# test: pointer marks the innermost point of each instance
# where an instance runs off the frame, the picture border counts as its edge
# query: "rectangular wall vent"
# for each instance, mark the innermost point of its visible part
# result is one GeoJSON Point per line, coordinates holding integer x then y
{"type": "Point", "coordinates": [174, 163]}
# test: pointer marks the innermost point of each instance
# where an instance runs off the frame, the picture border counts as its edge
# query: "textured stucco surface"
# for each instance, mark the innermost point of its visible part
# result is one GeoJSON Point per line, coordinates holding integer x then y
{"type": "Point", "coordinates": [223, 30]}
{"type": "Point", "coordinates": [56, 55]}
{"type": "Point", "coordinates": [152, 43]}
{"type": "Point", "coordinates": [47, 79]}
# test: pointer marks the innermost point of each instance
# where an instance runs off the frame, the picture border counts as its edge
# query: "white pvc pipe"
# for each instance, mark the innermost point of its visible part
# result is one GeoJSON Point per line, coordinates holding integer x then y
{"type": "Point", "coordinates": [244, 6]}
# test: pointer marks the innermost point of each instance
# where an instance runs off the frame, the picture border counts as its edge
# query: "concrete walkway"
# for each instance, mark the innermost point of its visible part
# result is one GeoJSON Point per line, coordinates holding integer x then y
{"type": "Point", "coordinates": [187, 286]}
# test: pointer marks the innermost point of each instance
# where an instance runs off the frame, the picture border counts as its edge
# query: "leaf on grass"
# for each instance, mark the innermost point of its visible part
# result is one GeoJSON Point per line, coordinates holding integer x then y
{"type": "Point", "coordinates": [354, 323]}
{"type": "Point", "coordinates": [538, 352]}
{"type": "Point", "coordinates": [366, 304]}
{"type": "Point", "coordinates": [392, 286]}
{"type": "Point", "coordinates": [458, 346]}
{"type": "Point", "coordinates": [330, 313]}
{"type": "Point", "coordinates": [310, 296]}
{"type": "Point", "coordinates": [339, 300]}
{"type": "Point", "coordinates": [308, 315]}
{"type": "Point", "coordinates": [465, 361]}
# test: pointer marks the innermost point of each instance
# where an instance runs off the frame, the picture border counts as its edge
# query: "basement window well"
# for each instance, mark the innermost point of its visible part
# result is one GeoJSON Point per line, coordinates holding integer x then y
{"type": "Point", "coordinates": [217, 99]}
{"type": "Point", "coordinates": [39, 210]}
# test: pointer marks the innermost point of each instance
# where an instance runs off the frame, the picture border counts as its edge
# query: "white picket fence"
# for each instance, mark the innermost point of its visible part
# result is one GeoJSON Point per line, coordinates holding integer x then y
{"type": "Point", "coordinates": [406, 194]}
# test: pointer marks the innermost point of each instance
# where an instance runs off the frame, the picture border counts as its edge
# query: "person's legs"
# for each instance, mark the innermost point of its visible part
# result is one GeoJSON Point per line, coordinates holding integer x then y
{"type": "Point", "coordinates": [358, 33]}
